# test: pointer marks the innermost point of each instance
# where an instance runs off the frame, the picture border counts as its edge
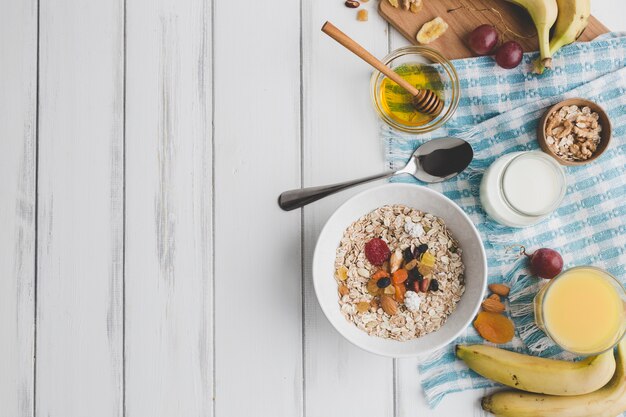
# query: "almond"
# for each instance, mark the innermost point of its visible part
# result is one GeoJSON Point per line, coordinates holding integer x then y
{"type": "Point", "coordinates": [388, 304]}
{"type": "Point", "coordinates": [493, 306]}
{"type": "Point", "coordinates": [499, 289]}
{"type": "Point", "coordinates": [395, 262]}
{"type": "Point", "coordinates": [494, 297]}
{"type": "Point", "coordinates": [424, 285]}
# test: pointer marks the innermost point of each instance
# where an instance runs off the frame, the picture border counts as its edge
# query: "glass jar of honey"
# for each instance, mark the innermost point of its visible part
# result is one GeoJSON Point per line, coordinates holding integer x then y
{"type": "Point", "coordinates": [424, 68]}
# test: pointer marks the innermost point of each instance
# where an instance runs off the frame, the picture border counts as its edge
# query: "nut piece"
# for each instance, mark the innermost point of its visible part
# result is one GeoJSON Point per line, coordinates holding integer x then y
{"type": "Point", "coordinates": [499, 289]}
{"type": "Point", "coordinates": [494, 297]}
{"type": "Point", "coordinates": [361, 16]}
{"type": "Point", "coordinates": [395, 261]}
{"type": "Point", "coordinates": [432, 30]}
{"type": "Point", "coordinates": [353, 4]}
{"type": "Point", "coordinates": [493, 306]}
{"type": "Point", "coordinates": [424, 285]}
{"type": "Point", "coordinates": [389, 305]}
{"type": "Point", "coordinates": [572, 133]}
{"type": "Point", "coordinates": [394, 3]}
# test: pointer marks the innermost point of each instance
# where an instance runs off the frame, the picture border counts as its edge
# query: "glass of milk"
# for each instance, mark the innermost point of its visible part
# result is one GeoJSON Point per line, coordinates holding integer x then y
{"type": "Point", "coordinates": [522, 188]}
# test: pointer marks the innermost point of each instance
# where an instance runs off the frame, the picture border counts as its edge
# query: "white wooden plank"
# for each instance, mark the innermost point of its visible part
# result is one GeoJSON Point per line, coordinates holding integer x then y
{"type": "Point", "coordinates": [80, 209]}
{"type": "Point", "coordinates": [169, 352]}
{"type": "Point", "coordinates": [258, 296]}
{"type": "Point", "coordinates": [341, 141]}
{"type": "Point", "coordinates": [18, 114]}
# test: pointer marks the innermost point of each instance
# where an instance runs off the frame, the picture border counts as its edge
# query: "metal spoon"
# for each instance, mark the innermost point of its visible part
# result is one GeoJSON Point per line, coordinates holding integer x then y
{"type": "Point", "coordinates": [434, 161]}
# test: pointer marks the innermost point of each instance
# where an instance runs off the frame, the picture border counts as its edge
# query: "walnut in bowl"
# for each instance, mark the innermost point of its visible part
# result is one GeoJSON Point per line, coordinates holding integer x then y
{"type": "Point", "coordinates": [574, 132]}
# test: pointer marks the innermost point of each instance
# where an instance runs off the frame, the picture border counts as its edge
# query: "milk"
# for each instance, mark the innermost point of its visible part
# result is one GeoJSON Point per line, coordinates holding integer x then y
{"type": "Point", "coordinates": [522, 188]}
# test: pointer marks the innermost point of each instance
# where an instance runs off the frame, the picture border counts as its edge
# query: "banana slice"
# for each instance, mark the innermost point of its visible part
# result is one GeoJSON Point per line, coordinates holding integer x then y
{"type": "Point", "coordinates": [432, 30]}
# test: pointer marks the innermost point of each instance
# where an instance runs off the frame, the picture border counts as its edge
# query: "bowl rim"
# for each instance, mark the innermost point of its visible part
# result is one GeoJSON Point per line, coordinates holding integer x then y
{"type": "Point", "coordinates": [466, 321]}
{"type": "Point", "coordinates": [605, 135]}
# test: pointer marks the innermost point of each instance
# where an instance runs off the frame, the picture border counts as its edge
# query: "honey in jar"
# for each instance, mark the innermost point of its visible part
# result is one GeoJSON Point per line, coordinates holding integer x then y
{"type": "Point", "coordinates": [397, 103]}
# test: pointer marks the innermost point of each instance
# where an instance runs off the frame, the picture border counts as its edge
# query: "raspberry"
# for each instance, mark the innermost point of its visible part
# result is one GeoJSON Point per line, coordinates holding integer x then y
{"type": "Point", "coordinates": [377, 251]}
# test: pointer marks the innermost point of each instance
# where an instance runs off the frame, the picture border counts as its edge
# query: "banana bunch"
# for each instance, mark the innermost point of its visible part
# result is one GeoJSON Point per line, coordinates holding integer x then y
{"type": "Point", "coordinates": [569, 18]}
{"type": "Point", "coordinates": [593, 387]}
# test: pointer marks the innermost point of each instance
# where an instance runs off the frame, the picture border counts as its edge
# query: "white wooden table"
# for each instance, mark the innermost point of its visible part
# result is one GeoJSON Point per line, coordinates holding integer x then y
{"type": "Point", "coordinates": [145, 268]}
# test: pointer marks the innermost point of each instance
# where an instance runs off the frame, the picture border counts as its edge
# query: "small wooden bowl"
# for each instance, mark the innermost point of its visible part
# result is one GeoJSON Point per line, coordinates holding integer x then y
{"type": "Point", "coordinates": [603, 120]}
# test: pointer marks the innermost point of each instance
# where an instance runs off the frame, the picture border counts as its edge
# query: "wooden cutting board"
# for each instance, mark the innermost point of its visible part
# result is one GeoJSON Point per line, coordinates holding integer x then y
{"type": "Point", "coordinates": [463, 16]}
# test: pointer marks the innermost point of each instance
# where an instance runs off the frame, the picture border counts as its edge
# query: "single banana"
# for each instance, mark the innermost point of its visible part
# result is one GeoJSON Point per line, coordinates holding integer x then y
{"type": "Point", "coordinates": [570, 23]}
{"type": "Point", "coordinates": [543, 13]}
{"type": "Point", "coordinates": [608, 401]}
{"type": "Point", "coordinates": [540, 375]}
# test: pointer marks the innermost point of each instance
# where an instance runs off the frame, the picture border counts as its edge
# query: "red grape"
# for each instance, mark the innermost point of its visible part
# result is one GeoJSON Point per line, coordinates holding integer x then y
{"type": "Point", "coordinates": [546, 263]}
{"type": "Point", "coordinates": [483, 39]}
{"type": "Point", "coordinates": [509, 54]}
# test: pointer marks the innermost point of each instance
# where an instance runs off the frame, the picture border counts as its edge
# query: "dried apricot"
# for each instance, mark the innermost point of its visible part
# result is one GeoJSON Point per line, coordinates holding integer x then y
{"type": "Point", "coordinates": [400, 276]}
{"type": "Point", "coordinates": [400, 291]}
{"type": "Point", "coordinates": [494, 327]}
{"type": "Point", "coordinates": [380, 274]}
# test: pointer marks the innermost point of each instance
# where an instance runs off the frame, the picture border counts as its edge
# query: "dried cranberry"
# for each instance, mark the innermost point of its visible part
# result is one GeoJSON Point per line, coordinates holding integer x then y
{"type": "Point", "coordinates": [377, 251]}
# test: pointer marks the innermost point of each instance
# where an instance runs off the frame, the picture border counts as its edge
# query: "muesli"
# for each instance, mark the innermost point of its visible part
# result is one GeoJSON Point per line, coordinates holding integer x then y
{"type": "Point", "coordinates": [399, 273]}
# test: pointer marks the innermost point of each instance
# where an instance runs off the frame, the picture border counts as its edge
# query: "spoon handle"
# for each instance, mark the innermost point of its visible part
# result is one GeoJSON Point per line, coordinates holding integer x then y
{"type": "Point", "coordinates": [294, 199]}
{"type": "Point", "coordinates": [363, 53]}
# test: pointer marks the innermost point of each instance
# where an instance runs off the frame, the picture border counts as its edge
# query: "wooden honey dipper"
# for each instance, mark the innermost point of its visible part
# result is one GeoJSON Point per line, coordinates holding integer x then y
{"type": "Point", "coordinates": [425, 101]}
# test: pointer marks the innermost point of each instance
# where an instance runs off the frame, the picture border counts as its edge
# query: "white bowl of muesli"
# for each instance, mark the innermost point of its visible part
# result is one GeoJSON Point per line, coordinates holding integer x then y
{"type": "Point", "coordinates": [400, 270]}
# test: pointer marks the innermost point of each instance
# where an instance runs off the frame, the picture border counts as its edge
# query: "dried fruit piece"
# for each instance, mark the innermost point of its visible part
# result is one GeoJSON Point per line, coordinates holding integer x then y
{"type": "Point", "coordinates": [400, 291]}
{"type": "Point", "coordinates": [494, 327]}
{"type": "Point", "coordinates": [372, 287]}
{"type": "Point", "coordinates": [380, 274]}
{"type": "Point", "coordinates": [389, 290]}
{"type": "Point", "coordinates": [377, 251]}
{"type": "Point", "coordinates": [494, 297]}
{"type": "Point", "coordinates": [416, 6]}
{"type": "Point", "coordinates": [389, 305]}
{"type": "Point", "coordinates": [400, 276]}
{"type": "Point", "coordinates": [374, 303]}
{"type": "Point", "coordinates": [341, 273]}
{"type": "Point", "coordinates": [353, 4]}
{"type": "Point", "coordinates": [428, 259]}
{"type": "Point", "coordinates": [434, 285]}
{"type": "Point", "coordinates": [432, 30]}
{"type": "Point", "coordinates": [499, 289]}
{"type": "Point", "coordinates": [362, 306]}
{"type": "Point", "coordinates": [411, 265]}
{"type": "Point", "coordinates": [343, 290]}
{"type": "Point", "coordinates": [361, 16]}
{"type": "Point", "coordinates": [493, 306]}
{"type": "Point", "coordinates": [420, 250]}
{"type": "Point", "coordinates": [395, 262]}
{"type": "Point", "coordinates": [383, 282]}
{"type": "Point", "coordinates": [394, 3]}
{"type": "Point", "coordinates": [424, 270]}
{"type": "Point", "coordinates": [407, 254]}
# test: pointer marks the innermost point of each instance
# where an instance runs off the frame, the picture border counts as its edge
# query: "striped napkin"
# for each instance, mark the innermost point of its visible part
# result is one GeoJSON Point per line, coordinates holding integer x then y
{"type": "Point", "coordinates": [498, 114]}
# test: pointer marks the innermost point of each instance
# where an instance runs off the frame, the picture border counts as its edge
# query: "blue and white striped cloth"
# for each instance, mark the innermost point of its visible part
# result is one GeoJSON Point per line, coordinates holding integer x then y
{"type": "Point", "coordinates": [498, 114]}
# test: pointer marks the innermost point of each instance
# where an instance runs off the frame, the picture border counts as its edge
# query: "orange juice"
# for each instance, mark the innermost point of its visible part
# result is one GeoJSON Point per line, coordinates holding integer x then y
{"type": "Point", "coordinates": [582, 310]}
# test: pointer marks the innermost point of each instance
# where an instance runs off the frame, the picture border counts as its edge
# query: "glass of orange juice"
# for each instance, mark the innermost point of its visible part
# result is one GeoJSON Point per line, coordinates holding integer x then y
{"type": "Point", "coordinates": [582, 310]}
